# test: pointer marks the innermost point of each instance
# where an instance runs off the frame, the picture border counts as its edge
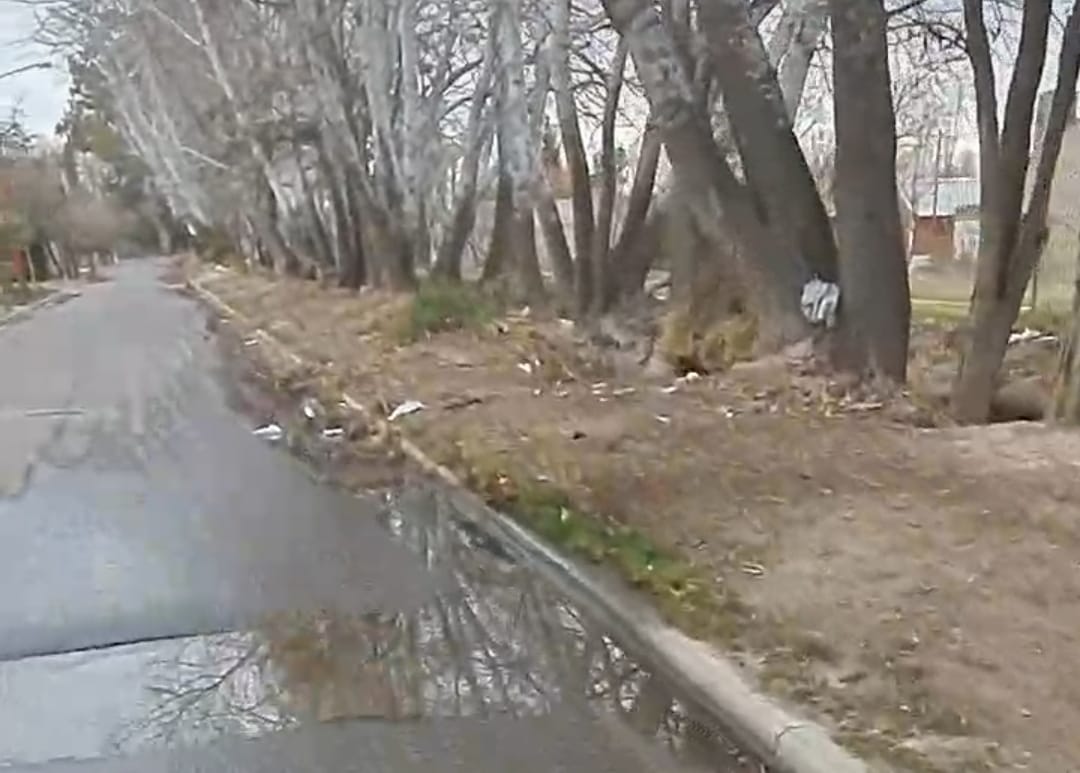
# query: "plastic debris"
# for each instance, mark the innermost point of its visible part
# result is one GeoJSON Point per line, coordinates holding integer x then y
{"type": "Point", "coordinates": [333, 433]}
{"type": "Point", "coordinates": [311, 408]}
{"type": "Point", "coordinates": [1029, 335]}
{"type": "Point", "coordinates": [406, 408]}
{"type": "Point", "coordinates": [753, 569]}
{"type": "Point", "coordinates": [663, 419]}
{"type": "Point", "coordinates": [525, 367]}
{"type": "Point", "coordinates": [269, 432]}
{"type": "Point", "coordinates": [820, 301]}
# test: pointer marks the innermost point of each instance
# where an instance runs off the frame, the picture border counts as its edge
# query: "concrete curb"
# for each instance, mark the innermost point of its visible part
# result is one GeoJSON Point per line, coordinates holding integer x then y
{"type": "Point", "coordinates": [784, 743]}
{"type": "Point", "coordinates": [58, 296]}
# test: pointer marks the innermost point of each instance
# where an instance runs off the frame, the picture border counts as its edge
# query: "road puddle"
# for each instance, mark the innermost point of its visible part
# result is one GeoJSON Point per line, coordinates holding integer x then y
{"type": "Point", "coordinates": [499, 644]}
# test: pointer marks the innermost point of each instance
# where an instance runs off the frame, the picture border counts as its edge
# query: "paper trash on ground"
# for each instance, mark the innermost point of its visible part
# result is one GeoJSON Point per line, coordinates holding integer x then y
{"type": "Point", "coordinates": [269, 432]}
{"type": "Point", "coordinates": [407, 407]}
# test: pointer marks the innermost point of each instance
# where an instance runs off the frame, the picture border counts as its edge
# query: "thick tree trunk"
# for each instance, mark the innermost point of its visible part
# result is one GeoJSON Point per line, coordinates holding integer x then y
{"type": "Point", "coordinates": [875, 302]}
{"type": "Point", "coordinates": [705, 176]}
{"type": "Point", "coordinates": [354, 271]}
{"type": "Point", "coordinates": [785, 196]}
{"type": "Point", "coordinates": [530, 282]}
{"type": "Point", "coordinates": [516, 154]}
{"type": "Point", "coordinates": [1015, 240]}
{"type": "Point", "coordinates": [496, 263]}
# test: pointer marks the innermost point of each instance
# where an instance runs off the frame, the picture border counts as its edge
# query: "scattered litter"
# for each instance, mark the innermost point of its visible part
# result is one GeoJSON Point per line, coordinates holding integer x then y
{"type": "Point", "coordinates": [566, 324]}
{"type": "Point", "coordinates": [670, 390]}
{"type": "Point", "coordinates": [1029, 335]}
{"type": "Point", "coordinates": [269, 432]}
{"type": "Point", "coordinates": [332, 433]}
{"type": "Point", "coordinates": [599, 386]}
{"type": "Point", "coordinates": [1025, 712]}
{"type": "Point", "coordinates": [820, 300]}
{"type": "Point", "coordinates": [311, 408]}
{"type": "Point", "coordinates": [663, 419]}
{"type": "Point", "coordinates": [753, 569]}
{"type": "Point", "coordinates": [622, 391]}
{"type": "Point", "coordinates": [875, 405]}
{"type": "Point", "coordinates": [690, 377]}
{"type": "Point", "coordinates": [251, 341]}
{"type": "Point", "coordinates": [525, 367]}
{"type": "Point", "coordinates": [406, 408]}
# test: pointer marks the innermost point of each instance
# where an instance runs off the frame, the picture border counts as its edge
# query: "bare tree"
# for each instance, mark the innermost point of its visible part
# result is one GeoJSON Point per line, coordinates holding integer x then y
{"type": "Point", "coordinates": [1013, 235]}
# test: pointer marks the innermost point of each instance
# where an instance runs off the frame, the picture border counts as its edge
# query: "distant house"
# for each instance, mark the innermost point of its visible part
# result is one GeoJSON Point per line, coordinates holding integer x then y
{"type": "Point", "coordinates": [945, 218]}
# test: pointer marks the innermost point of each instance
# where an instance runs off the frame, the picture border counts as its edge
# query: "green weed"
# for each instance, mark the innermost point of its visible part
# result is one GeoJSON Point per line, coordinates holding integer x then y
{"type": "Point", "coordinates": [442, 306]}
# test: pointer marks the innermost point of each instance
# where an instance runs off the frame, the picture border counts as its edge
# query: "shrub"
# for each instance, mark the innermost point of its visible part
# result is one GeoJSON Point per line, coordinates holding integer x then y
{"type": "Point", "coordinates": [441, 306]}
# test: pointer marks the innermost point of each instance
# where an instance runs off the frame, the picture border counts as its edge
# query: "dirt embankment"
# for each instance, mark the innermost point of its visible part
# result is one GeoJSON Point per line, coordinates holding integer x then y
{"type": "Point", "coordinates": [915, 589]}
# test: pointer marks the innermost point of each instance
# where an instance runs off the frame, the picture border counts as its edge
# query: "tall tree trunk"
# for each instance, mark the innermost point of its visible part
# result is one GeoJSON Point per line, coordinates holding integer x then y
{"type": "Point", "coordinates": [601, 245]}
{"type": "Point", "coordinates": [530, 282]}
{"type": "Point", "coordinates": [496, 263]}
{"type": "Point", "coordinates": [1011, 248]}
{"type": "Point", "coordinates": [478, 136]}
{"type": "Point", "coordinates": [807, 36]}
{"type": "Point", "coordinates": [355, 271]}
{"type": "Point", "coordinates": [632, 257]}
{"type": "Point", "coordinates": [516, 152]}
{"type": "Point", "coordinates": [574, 148]}
{"type": "Point", "coordinates": [785, 195]}
{"type": "Point", "coordinates": [554, 232]}
{"type": "Point", "coordinates": [876, 305]}
{"type": "Point", "coordinates": [1066, 402]}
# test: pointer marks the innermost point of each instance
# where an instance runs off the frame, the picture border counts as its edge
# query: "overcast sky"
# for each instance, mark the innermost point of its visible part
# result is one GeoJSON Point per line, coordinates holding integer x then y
{"type": "Point", "coordinates": [41, 93]}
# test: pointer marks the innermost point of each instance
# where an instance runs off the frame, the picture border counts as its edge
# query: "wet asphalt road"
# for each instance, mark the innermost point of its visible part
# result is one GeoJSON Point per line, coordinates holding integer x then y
{"type": "Point", "coordinates": [179, 595]}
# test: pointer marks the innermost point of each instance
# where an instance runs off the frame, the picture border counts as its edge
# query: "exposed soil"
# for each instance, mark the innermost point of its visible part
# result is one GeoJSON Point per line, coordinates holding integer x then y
{"type": "Point", "coordinates": [916, 589]}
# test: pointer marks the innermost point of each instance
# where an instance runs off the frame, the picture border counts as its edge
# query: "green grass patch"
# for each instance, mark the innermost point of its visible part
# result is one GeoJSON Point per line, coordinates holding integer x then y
{"type": "Point", "coordinates": [685, 596]}
{"type": "Point", "coordinates": [440, 306]}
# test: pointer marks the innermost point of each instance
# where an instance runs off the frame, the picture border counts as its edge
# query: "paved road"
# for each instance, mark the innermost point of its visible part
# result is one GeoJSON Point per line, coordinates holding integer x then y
{"type": "Point", "coordinates": [179, 595]}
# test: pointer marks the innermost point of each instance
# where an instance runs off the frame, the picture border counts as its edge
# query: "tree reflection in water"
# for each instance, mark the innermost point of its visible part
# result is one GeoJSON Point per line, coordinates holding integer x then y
{"type": "Point", "coordinates": [500, 643]}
